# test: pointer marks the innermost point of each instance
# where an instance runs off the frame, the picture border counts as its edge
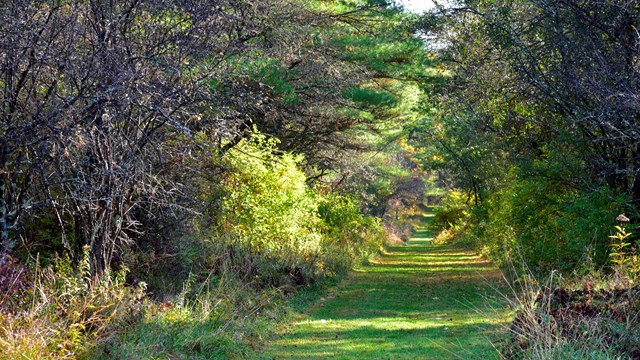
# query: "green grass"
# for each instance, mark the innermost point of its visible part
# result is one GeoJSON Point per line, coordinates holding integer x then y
{"type": "Point", "coordinates": [416, 301]}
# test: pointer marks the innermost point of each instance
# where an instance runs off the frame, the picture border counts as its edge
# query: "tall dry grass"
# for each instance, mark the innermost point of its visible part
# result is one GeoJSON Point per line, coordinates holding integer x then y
{"type": "Point", "coordinates": [58, 313]}
{"type": "Point", "coordinates": [554, 321]}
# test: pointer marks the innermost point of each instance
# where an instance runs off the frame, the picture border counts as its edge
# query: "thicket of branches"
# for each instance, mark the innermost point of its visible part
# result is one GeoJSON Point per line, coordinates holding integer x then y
{"type": "Point", "coordinates": [111, 111]}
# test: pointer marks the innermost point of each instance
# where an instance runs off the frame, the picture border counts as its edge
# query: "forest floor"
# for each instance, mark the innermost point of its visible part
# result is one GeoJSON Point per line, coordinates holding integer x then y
{"type": "Point", "coordinates": [417, 300]}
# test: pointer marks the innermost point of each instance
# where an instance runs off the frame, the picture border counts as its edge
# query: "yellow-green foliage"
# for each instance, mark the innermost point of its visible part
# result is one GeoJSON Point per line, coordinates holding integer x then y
{"type": "Point", "coordinates": [623, 255]}
{"type": "Point", "coordinates": [275, 229]}
{"type": "Point", "coordinates": [349, 234]}
{"type": "Point", "coordinates": [451, 216]}
{"type": "Point", "coordinates": [267, 205]}
{"type": "Point", "coordinates": [454, 207]}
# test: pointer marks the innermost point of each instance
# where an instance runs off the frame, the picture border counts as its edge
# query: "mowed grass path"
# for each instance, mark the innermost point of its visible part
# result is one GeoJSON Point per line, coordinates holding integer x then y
{"type": "Point", "coordinates": [418, 301]}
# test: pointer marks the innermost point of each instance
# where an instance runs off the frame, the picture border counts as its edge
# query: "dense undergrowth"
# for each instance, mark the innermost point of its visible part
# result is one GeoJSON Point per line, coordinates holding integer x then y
{"type": "Point", "coordinates": [538, 224]}
{"type": "Point", "coordinates": [556, 322]}
{"type": "Point", "coordinates": [59, 310]}
{"type": "Point", "coordinates": [222, 289]}
{"type": "Point", "coordinates": [573, 272]}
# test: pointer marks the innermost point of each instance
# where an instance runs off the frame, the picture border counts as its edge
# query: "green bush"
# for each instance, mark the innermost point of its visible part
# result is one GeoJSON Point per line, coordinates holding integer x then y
{"type": "Point", "coordinates": [349, 235]}
{"type": "Point", "coordinates": [452, 216]}
{"type": "Point", "coordinates": [274, 230]}
{"type": "Point", "coordinates": [547, 224]}
{"type": "Point", "coordinates": [268, 224]}
{"type": "Point", "coordinates": [454, 208]}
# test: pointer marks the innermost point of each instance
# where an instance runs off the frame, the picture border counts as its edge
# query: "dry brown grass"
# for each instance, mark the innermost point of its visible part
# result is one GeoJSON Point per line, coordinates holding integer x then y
{"type": "Point", "coordinates": [553, 322]}
{"type": "Point", "coordinates": [63, 313]}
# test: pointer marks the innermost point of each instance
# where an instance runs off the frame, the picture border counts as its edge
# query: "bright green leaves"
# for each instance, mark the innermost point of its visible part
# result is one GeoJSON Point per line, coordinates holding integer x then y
{"type": "Point", "coordinates": [267, 204]}
{"type": "Point", "coordinates": [620, 247]}
{"type": "Point", "coordinates": [268, 210]}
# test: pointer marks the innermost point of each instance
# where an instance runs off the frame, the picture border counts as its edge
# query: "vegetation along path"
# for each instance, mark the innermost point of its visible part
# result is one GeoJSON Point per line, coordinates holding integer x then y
{"type": "Point", "coordinates": [419, 300]}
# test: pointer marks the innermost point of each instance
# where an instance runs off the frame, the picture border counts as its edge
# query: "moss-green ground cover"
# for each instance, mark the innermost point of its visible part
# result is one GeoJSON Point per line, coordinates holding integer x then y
{"type": "Point", "coordinates": [419, 301]}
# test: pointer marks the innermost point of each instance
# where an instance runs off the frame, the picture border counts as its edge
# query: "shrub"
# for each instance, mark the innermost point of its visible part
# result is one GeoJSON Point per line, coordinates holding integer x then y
{"type": "Point", "coordinates": [454, 208]}
{"type": "Point", "coordinates": [549, 225]}
{"type": "Point", "coordinates": [349, 235]}
{"type": "Point", "coordinates": [268, 226]}
{"type": "Point", "coordinates": [452, 216]}
{"type": "Point", "coordinates": [273, 230]}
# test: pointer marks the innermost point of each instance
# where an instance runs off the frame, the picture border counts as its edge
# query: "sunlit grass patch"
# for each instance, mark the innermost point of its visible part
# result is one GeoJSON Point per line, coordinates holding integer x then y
{"type": "Point", "coordinates": [414, 301]}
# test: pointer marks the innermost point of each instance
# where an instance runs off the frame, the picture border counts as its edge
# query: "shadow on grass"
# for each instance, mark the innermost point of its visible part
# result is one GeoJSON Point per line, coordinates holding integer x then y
{"type": "Point", "coordinates": [372, 342]}
{"type": "Point", "coordinates": [416, 301]}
